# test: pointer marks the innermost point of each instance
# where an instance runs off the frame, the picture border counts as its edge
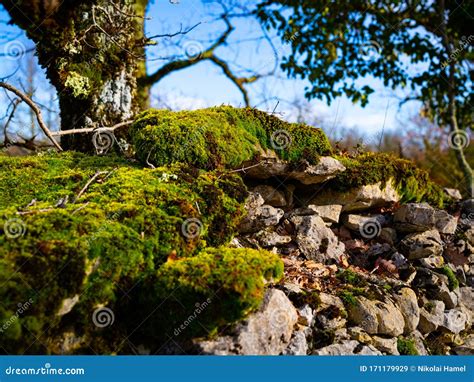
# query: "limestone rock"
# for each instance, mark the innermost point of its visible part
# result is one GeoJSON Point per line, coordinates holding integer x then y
{"type": "Point", "coordinates": [453, 193]}
{"type": "Point", "coordinates": [305, 173]}
{"type": "Point", "coordinates": [361, 199]}
{"type": "Point", "coordinates": [407, 302]}
{"type": "Point", "coordinates": [386, 345]}
{"type": "Point", "coordinates": [415, 217]}
{"type": "Point", "coordinates": [271, 195]}
{"type": "Point", "coordinates": [329, 213]}
{"type": "Point", "coordinates": [445, 223]}
{"type": "Point", "coordinates": [431, 316]}
{"type": "Point", "coordinates": [271, 239]}
{"type": "Point", "coordinates": [298, 344]}
{"type": "Point", "coordinates": [455, 321]}
{"type": "Point", "coordinates": [423, 244]}
{"type": "Point", "coordinates": [315, 240]}
{"type": "Point", "coordinates": [265, 332]}
{"type": "Point", "coordinates": [348, 347]}
{"type": "Point", "coordinates": [259, 215]}
{"type": "Point", "coordinates": [390, 319]}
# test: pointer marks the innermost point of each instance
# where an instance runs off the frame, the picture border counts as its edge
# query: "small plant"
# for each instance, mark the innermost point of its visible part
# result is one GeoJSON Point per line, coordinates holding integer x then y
{"type": "Point", "coordinates": [452, 279]}
{"type": "Point", "coordinates": [406, 346]}
{"type": "Point", "coordinates": [350, 277]}
{"type": "Point", "coordinates": [348, 298]}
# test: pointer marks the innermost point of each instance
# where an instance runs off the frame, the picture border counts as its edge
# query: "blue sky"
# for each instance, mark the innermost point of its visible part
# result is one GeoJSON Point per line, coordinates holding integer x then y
{"type": "Point", "coordinates": [204, 85]}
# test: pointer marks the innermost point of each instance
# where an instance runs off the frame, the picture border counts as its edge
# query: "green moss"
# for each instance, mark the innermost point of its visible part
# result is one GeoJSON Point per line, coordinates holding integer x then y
{"type": "Point", "coordinates": [406, 346]}
{"type": "Point", "coordinates": [351, 278]}
{"type": "Point", "coordinates": [452, 279]}
{"type": "Point", "coordinates": [124, 237]}
{"type": "Point", "coordinates": [216, 287]}
{"type": "Point", "coordinates": [222, 137]}
{"type": "Point", "coordinates": [348, 298]}
{"type": "Point", "coordinates": [412, 183]}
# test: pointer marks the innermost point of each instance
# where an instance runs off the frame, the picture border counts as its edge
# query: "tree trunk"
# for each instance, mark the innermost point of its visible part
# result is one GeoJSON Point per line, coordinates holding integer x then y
{"type": "Point", "coordinates": [93, 53]}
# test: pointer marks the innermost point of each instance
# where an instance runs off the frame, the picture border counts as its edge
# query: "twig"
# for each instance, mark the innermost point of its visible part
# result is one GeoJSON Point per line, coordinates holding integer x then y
{"type": "Point", "coordinates": [35, 109]}
{"type": "Point", "coordinates": [92, 129]}
{"type": "Point", "coordinates": [15, 104]}
{"type": "Point", "coordinates": [84, 189]}
{"type": "Point", "coordinates": [34, 211]}
{"type": "Point", "coordinates": [80, 208]}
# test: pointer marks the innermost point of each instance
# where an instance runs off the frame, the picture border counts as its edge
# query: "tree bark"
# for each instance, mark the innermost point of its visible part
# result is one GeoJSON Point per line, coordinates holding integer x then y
{"type": "Point", "coordinates": [93, 53]}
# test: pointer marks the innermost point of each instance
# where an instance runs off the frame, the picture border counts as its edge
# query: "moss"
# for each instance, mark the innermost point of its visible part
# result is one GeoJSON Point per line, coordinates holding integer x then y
{"type": "Point", "coordinates": [406, 346]}
{"type": "Point", "coordinates": [412, 183]}
{"type": "Point", "coordinates": [351, 278]}
{"type": "Point", "coordinates": [125, 235]}
{"type": "Point", "coordinates": [453, 281]}
{"type": "Point", "coordinates": [221, 137]}
{"type": "Point", "coordinates": [216, 287]}
{"type": "Point", "coordinates": [348, 298]}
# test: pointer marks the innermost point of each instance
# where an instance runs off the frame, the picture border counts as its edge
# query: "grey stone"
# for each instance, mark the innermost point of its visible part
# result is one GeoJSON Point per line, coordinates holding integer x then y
{"type": "Point", "coordinates": [298, 345]}
{"type": "Point", "coordinates": [265, 332]}
{"type": "Point", "coordinates": [431, 316]}
{"type": "Point", "coordinates": [315, 240]}
{"type": "Point", "coordinates": [348, 347]}
{"type": "Point", "coordinates": [423, 244]}
{"type": "Point", "coordinates": [445, 223]}
{"type": "Point", "coordinates": [432, 262]}
{"type": "Point", "coordinates": [455, 321]}
{"type": "Point", "coordinates": [329, 213]}
{"type": "Point", "coordinates": [361, 199]}
{"type": "Point", "coordinates": [259, 215]}
{"type": "Point", "coordinates": [415, 217]}
{"type": "Point", "coordinates": [407, 302]}
{"type": "Point", "coordinates": [271, 239]}
{"type": "Point", "coordinates": [453, 193]}
{"type": "Point", "coordinates": [386, 345]}
{"type": "Point", "coordinates": [271, 195]}
{"type": "Point", "coordinates": [271, 166]}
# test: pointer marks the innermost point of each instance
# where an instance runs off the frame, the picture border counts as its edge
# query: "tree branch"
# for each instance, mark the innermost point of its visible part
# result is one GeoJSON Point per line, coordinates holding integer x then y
{"type": "Point", "coordinates": [35, 109]}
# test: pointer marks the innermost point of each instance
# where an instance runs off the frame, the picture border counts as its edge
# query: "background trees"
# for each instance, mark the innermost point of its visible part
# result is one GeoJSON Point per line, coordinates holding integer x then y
{"type": "Point", "coordinates": [94, 55]}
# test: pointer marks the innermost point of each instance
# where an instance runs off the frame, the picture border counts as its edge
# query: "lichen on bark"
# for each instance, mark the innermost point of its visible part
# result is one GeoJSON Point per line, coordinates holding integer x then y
{"type": "Point", "coordinates": [93, 53]}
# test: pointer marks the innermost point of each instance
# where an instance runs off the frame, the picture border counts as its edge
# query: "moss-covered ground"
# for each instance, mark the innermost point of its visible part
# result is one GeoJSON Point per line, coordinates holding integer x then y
{"type": "Point", "coordinates": [150, 244]}
{"type": "Point", "coordinates": [134, 239]}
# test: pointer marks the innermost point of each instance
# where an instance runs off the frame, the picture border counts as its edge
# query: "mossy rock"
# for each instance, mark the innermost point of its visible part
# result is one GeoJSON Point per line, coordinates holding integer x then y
{"type": "Point", "coordinates": [412, 183]}
{"type": "Point", "coordinates": [120, 233]}
{"type": "Point", "coordinates": [222, 137]}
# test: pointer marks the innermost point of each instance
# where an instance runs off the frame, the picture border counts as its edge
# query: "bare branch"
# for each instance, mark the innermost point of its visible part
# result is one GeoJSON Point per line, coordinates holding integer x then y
{"type": "Point", "coordinates": [91, 129]}
{"type": "Point", "coordinates": [35, 109]}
